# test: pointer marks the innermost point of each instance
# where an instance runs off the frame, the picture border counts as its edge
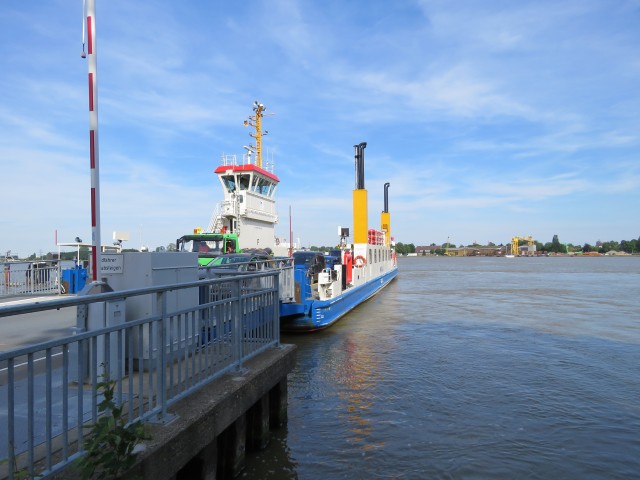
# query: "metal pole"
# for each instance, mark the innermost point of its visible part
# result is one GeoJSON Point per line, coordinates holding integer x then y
{"type": "Point", "coordinates": [290, 235]}
{"type": "Point", "coordinates": [276, 308]}
{"type": "Point", "coordinates": [163, 324]}
{"type": "Point", "coordinates": [93, 138]}
{"type": "Point", "coordinates": [236, 309]}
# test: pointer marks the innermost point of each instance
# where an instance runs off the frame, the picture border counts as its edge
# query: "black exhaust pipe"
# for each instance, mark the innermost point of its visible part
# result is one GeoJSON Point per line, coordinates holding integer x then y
{"type": "Point", "coordinates": [386, 197]}
{"type": "Point", "coordinates": [360, 165]}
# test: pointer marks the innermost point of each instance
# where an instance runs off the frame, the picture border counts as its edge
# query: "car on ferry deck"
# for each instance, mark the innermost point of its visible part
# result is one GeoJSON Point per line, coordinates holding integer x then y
{"type": "Point", "coordinates": [312, 262]}
{"type": "Point", "coordinates": [242, 262]}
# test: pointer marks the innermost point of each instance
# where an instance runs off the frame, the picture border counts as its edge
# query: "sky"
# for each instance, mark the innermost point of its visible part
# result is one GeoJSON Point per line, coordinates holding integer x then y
{"type": "Point", "coordinates": [489, 118]}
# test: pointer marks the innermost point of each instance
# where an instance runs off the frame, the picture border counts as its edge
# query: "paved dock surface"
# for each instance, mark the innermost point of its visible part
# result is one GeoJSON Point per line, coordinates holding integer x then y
{"type": "Point", "coordinates": [22, 330]}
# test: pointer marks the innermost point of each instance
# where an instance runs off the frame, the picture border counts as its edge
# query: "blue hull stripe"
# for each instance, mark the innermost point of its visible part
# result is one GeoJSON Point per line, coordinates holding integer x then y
{"type": "Point", "coordinates": [324, 313]}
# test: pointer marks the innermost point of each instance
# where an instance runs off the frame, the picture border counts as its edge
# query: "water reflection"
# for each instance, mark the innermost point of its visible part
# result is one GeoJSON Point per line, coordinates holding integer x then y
{"type": "Point", "coordinates": [274, 463]}
{"type": "Point", "coordinates": [356, 375]}
{"type": "Point", "coordinates": [471, 368]}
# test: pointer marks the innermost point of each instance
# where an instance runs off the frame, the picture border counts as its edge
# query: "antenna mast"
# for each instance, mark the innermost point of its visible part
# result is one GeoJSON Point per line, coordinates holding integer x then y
{"type": "Point", "coordinates": [256, 122]}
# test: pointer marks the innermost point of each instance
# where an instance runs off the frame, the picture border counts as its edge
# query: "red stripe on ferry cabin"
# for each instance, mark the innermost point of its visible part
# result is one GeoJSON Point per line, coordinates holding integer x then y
{"type": "Point", "coordinates": [245, 168]}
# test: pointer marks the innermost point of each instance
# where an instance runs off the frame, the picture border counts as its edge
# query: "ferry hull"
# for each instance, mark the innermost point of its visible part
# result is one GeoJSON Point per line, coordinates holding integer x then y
{"type": "Point", "coordinates": [320, 314]}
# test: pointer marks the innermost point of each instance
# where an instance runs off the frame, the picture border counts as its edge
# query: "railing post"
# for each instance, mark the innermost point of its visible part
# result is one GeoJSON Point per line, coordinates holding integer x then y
{"type": "Point", "coordinates": [276, 307]}
{"type": "Point", "coordinates": [236, 315]}
{"type": "Point", "coordinates": [162, 373]}
{"type": "Point", "coordinates": [11, 452]}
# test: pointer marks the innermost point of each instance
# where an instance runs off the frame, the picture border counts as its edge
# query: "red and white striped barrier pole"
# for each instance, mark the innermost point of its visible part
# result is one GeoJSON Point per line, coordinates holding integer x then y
{"type": "Point", "coordinates": [93, 139]}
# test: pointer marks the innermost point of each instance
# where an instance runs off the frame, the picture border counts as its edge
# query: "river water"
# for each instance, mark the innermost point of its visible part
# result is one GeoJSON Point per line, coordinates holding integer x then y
{"type": "Point", "coordinates": [472, 368]}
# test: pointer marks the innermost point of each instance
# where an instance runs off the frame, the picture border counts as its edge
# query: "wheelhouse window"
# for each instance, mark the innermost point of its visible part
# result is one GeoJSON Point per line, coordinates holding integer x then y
{"type": "Point", "coordinates": [229, 182]}
{"type": "Point", "coordinates": [244, 180]}
{"type": "Point", "coordinates": [262, 186]}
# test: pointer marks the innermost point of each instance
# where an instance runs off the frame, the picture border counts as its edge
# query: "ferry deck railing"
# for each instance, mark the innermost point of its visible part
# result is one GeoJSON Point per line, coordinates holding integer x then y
{"type": "Point", "coordinates": [230, 160]}
{"type": "Point", "coordinates": [286, 282]}
{"type": "Point", "coordinates": [49, 392]}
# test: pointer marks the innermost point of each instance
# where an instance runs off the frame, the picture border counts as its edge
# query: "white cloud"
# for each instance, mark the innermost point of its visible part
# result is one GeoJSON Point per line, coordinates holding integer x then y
{"type": "Point", "coordinates": [489, 117]}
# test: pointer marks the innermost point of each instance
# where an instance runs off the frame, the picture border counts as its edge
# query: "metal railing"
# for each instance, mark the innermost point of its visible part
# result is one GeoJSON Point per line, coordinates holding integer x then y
{"type": "Point", "coordinates": [49, 392]}
{"type": "Point", "coordinates": [230, 160]}
{"type": "Point", "coordinates": [29, 278]}
{"type": "Point", "coordinates": [286, 281]}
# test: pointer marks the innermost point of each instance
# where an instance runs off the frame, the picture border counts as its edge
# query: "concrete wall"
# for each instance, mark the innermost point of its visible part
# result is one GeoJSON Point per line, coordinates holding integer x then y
{"type": "Point", "coordinates": [209, 437]}
{"type": "Point", "coordinates": [214, 426]}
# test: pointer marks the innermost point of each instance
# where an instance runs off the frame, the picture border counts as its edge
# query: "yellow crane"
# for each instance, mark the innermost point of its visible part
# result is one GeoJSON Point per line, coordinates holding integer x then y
{"type": "Point", "coordinates": [446, 250]}
{"type": "Point", "coordinates": [516, 240]}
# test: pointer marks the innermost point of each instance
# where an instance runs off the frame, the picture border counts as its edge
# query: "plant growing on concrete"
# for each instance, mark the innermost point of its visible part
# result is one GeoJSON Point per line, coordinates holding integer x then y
{"type": "Point", "coordinates": [109, 446]}
{"type": "Point", "coordinates": [21, 474]}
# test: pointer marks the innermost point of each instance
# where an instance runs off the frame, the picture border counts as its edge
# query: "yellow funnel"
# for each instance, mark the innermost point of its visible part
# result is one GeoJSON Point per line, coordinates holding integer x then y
{"type": "Point", "coordinates": [385, 226]}
{"type": "Point", "coordinates": [360, 232]}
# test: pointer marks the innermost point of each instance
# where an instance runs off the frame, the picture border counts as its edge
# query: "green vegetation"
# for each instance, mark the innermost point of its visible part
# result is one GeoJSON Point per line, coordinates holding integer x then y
{"type": "Point", "coordinates": [109, 447]}
{"type": "Point", "coordinates": [110, 443]}
{"type": "Point", "coordinates": [403, 249]}
{"type": "Point", "coordinates": [627, 246]}
{"type": "Point", "coordinates": [22, 474]}
{"type": "Point", "coordinates": [555, 246]}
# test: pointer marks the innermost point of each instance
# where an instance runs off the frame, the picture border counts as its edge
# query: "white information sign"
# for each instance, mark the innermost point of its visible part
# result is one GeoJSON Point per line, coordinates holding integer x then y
{"type": "Point", "coordinates": [111, 263]}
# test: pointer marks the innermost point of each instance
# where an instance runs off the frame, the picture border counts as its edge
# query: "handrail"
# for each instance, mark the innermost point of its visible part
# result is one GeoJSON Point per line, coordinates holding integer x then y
{"type": "Point", "coordinates": [9, 310]}
{"type": "Point", "coordinates": [193, 333]}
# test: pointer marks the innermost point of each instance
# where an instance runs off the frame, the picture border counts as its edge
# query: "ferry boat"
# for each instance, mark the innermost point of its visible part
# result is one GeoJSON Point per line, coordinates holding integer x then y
{"type": "Point", "coordinates": [318, 289]}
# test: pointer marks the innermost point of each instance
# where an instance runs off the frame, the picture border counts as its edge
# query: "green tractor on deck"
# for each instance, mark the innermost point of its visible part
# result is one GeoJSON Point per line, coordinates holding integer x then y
{"type": "Point", "coordinates": [208, 245]}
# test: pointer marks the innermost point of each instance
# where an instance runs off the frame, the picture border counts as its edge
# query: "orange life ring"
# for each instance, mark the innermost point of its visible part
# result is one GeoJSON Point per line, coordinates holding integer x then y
{"type": "Point", "coordinates": [360, 261]}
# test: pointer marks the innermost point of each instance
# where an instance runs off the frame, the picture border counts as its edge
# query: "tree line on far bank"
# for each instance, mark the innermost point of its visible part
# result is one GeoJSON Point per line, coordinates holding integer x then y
{"type": "Point", "coordinates": [554, 246]}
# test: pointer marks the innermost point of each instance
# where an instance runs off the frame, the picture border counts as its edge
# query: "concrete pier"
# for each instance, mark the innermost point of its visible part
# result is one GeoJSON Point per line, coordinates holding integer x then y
{"type": "Point", "coordinates": [214, 426]}
{"type": "Point", "coordinates": [215, 387]}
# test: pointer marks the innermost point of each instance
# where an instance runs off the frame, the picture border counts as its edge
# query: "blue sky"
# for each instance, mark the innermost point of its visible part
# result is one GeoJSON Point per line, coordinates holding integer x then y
{"type": "Point", "coordinates": [489, 118]}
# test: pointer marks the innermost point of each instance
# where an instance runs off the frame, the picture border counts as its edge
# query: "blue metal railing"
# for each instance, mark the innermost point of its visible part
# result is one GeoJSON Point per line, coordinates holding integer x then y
{"type": "Point", "coordinates": [48, 392]}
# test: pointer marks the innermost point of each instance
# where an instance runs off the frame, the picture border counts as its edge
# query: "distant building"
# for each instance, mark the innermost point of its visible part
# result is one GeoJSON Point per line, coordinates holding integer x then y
{"type": "Point", "coordinates": [462, 251]}
{"type": "Point", "coordinates": [430, 250]}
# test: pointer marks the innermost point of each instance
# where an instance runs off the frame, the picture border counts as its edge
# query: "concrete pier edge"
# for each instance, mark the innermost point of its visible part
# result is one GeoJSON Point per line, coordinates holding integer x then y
{"type": "Point", "coordinates": [189, 444]}
{"type": "Point", "coordinates": [204, 415]}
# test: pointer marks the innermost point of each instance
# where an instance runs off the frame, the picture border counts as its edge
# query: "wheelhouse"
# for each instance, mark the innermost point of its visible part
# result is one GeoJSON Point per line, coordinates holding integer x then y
{"type": "Point", "coordinates": [247, 178]}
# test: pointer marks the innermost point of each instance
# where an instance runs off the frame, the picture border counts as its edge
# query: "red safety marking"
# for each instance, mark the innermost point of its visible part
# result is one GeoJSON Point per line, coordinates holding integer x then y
{"type": "Point", "coordinates": [91, 92]}
{"type": "Point", "coordinates": [89, 36]}
{"type": "Point", "coordinates": [94, 261]}
{"type": "Point", "coordinates": [93, 207]}
{"type": "Point", "coordinates": [92, 149]}
{"type": "Point", "coordinates": [244, 168]}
